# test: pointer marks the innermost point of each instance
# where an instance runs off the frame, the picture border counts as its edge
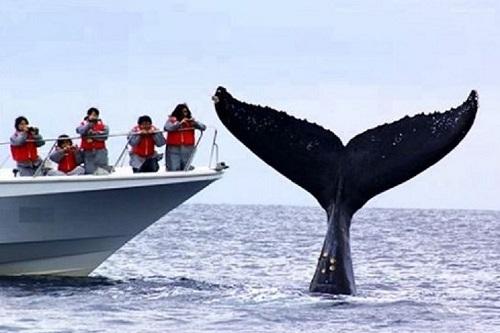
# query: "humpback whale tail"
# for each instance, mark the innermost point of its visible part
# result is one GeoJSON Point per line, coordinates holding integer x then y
{"type": "Point", "coordinates": [344, 177]}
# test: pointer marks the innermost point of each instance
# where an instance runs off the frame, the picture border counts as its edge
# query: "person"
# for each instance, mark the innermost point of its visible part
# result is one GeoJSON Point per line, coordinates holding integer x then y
{"type": "Point", "coordinates": [68, 157]}
{"type": "Point", "coordinates": [23, 145]}
{"type": "Point", "coordinates": [180, 137]}
{"type": "Point", "coordinates": [94, 135]}
{"type": "Point", "coordinates": [143, 138]}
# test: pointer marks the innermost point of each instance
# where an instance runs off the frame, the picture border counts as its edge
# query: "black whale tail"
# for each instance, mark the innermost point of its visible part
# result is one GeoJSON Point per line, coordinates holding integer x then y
{"type": "Point", "coordinates": [343, 178]}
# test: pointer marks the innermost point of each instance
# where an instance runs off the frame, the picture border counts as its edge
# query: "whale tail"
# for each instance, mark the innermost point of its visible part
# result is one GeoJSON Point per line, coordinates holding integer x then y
{"type": "Point", "coordinates": [374, 161]}
{"type": "Point", "coordinates": [343, 178]}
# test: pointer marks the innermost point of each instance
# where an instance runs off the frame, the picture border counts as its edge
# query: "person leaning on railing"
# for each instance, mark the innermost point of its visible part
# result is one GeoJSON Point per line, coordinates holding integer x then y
{"type": "Point", "coordinates": [180, 137]}
{"type": "Point", "coordinates": [143, 139]}
{"type": "Point", "coordinates": [23, 145]}
{"type": "Point", "coordinates": [68, 157]}
{"type": "Point", "coordinates": [94, 135]}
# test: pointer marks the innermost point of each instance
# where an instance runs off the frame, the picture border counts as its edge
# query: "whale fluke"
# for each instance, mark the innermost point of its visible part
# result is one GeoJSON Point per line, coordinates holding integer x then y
{"type": "Point", "coordinates": [305, 153]}
{"type": "Point", "coordinates": [394, 153]}
{"type": "Point", "coordinates": [343, 178]}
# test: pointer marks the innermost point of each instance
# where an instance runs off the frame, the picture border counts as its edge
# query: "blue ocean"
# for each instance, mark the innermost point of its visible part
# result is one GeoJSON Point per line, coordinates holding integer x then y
{"type": "Point", "coordinates": [233, 268]}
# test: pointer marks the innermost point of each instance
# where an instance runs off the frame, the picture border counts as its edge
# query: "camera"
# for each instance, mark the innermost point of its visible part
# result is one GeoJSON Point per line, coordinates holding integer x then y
{"type": "Point", "coordinates": [33, 129]}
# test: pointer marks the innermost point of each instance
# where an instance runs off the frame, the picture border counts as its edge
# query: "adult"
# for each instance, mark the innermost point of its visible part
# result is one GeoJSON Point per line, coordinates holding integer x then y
{"type": "Point", "coordinates": [180, 138]}
{"type": "Point", "coordinates": [94, 135]}
{"type": "Point", "coordinates": [23, 146]}
{"type": "Point", "coordinates": [143, 139]}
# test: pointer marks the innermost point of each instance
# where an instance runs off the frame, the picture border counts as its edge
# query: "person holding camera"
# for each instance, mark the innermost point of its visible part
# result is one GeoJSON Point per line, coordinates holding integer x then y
{"type": "Point", "coordinates": [180, 138]}
{"type": "Point", "coordinates": [94, 134]}
{"type": "Point", "coordinates": [23, 145]}
{"type": "Point", "coordinates": [143, 139]}
{"type": "Point", "coordinates": [68, 157]}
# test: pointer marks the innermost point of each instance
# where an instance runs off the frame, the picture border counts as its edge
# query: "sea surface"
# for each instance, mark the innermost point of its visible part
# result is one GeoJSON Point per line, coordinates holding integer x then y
{"type": "Point", "coordinates": [228, 268]}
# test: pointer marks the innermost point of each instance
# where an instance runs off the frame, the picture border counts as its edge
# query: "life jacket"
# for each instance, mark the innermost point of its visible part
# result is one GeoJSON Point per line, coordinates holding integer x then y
{"type": "Point", "coordinates": [183, 136]}
{"type": "Point", "coordinates": [92, 144]}
{"type": "Point", "coordinates": [68, 161]}
{"type": "Point", "coordinates": [25, 152]}
{"type": "Point", "coordinates": [146, 146]}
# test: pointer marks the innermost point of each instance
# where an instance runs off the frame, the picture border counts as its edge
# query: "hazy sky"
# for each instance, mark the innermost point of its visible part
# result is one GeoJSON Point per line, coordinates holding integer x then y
{"type": "Point", "coordinates": [348, 65]}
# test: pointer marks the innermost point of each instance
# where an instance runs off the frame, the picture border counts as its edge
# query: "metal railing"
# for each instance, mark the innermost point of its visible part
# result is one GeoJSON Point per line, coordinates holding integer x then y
{"type": "Point", "coordinates": [214, 148]}
{"type": "Point", "coordinates": [121, 157]}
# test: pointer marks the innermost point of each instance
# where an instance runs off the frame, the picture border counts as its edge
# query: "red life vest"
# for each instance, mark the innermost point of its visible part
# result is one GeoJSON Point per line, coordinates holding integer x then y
{"type": "Point", "coordinates": [26, 152]}
{"type": "Point", "coordinates": [68, 161]}
{"type": "Point", "coordinates": [146, 145]}
{"type": "Point", "coordinates": [93, 144]}
{"type": "Point", "coordinates": [183, 136]}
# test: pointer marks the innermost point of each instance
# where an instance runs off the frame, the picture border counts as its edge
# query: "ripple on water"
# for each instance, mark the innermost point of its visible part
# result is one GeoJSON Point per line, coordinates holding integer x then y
{"type": "Point", "coordinates": [247, 268]}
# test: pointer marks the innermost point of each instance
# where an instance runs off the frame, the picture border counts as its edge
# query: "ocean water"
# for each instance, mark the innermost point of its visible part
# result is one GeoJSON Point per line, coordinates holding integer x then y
{"type": "Point", "coordinates": [228, 268]}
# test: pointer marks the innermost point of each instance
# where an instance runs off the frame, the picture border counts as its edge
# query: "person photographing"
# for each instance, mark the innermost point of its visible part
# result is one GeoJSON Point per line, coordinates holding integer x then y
{"type": "Point", "coordinates": [180, 137]}
{"type": "Point", "coordinates": [68, 157]}
{"type": "Point", "coordinates": [94, 134]}
{"type": "Point", "coordinates": [24, 145]}
{"type": "Point", "coordinates": [143, 139]}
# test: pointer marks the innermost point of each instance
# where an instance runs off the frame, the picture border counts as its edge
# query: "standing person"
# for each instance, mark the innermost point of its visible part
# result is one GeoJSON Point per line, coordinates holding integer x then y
{"type": "Point", "coordinates": [68, 157]}
{"type": "Point", "coordinates": [23, 146]}
{"type": "Point", "coordinates": [94, 135]}
{"type": "Point", "coordinates": [143, 138]}
{"type": "Point", "coordinates": [180, 138]}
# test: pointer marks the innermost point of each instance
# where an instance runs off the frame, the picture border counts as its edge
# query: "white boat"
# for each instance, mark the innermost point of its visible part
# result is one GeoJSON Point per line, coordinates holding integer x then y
{"type": "Point", "coordinates": [68, 225]}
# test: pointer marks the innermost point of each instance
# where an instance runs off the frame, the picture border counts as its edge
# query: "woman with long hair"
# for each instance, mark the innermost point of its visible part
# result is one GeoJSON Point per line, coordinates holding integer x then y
{"type": "Point", "coordinates": [180, 137]}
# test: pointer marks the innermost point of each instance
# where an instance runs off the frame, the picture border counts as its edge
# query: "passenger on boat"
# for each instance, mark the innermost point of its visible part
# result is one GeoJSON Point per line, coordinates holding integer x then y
{"type": "Point", "coordinates": [180, 138]}
{"type": "Point", "coordinates": [68, 157]}
{"type": "Point", "coordinates": [143, 138]}
{"type": "Point", "coordinates": [94, 134]}
{"type": "Point", "coordinates": [23, 145]}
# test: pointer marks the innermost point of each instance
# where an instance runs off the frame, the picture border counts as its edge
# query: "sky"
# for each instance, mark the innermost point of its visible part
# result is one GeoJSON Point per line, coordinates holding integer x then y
{"type": "Point", "coordinates": [347, 65]}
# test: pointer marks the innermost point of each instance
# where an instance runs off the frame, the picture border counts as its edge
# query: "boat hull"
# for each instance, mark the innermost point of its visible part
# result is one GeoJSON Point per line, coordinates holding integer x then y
{"type": "Point", "coordinates": [70, 233]}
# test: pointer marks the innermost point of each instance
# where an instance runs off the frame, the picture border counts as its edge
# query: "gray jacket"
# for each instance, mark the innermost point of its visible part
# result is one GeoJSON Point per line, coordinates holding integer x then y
{"type": "Point", "coordinates": [173, 125]}
{"type": "Point", "coordinates": [134, 139]}
{"type": "Point", "coordinates": [59, 153]}
{"type": "Point", "coordinates": [86, 126]}
{"type": "Point", "coordinates": [19, 138]}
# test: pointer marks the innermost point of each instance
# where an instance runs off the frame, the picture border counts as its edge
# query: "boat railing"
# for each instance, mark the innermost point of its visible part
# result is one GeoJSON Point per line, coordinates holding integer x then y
{"type": "Point", "coordinates": [122, 156]}
{"type": "Point", "coordinates": [214, 148]}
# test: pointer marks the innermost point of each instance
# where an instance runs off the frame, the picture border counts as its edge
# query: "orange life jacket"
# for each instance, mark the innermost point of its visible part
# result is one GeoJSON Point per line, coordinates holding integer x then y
{"type": "Point", "coordinates": [25, 152]}
{"type": "Point", "coordinates": [93, 144]}
{"type": "Point", "coordinates": [183, 136]}
{"type": "Point", "coordinates": [146, 145]}
{"type": "Point", "coordinates": [68, 161]}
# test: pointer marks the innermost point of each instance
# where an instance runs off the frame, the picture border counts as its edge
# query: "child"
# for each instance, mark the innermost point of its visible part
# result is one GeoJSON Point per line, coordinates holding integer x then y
{"type": "Point", "coordinates": [68, 157]}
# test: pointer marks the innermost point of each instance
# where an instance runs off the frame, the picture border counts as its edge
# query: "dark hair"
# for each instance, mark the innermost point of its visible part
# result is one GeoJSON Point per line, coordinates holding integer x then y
{"type": "Point", "coordinates": [91, 110]}
{"type": "Point", "coordinates": [143, 119]}
{"type": "Point", "coordinates": [177, 113]}
{"type": "Point", "coordinates": [19, 120]}
{"type": "Point", "coordinates": [63, 138]}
